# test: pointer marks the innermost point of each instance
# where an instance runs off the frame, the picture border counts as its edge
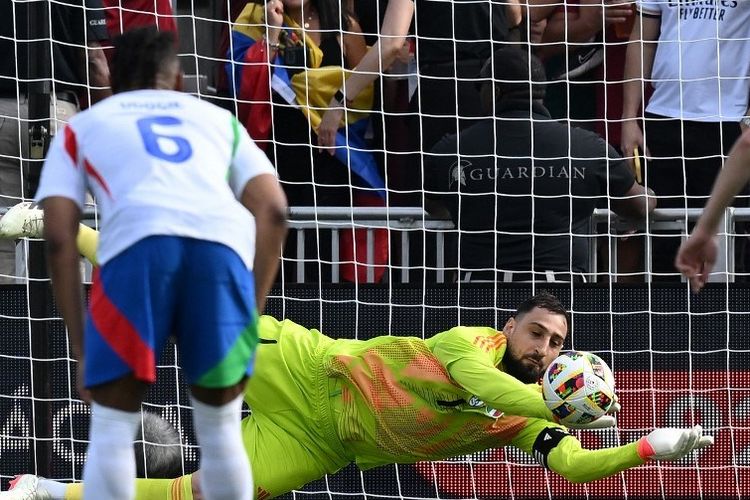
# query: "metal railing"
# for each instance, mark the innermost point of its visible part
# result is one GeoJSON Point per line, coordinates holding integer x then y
{"type": "Point", "coordinates": [412, 222]}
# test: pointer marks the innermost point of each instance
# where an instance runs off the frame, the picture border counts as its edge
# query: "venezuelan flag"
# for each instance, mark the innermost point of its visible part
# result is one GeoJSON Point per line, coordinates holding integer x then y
{"type": "Point", "coordinates": [253, 76]}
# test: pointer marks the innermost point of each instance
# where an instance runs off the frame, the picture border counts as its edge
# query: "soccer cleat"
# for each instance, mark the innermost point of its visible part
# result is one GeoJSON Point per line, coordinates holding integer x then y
{"type": "Point", "coordinates": [22, 221]}
{"type": "Point", "coordinates": [25, 487]}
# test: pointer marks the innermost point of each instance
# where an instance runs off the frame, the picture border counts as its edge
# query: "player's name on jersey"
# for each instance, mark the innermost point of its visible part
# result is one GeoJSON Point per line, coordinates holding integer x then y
{"type": "Point", "coordinates": [150, 105]}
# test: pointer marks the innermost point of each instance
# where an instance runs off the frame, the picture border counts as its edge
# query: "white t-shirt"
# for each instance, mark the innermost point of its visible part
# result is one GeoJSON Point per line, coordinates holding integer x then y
{"type": "Point", "coordinates": [701, 69]}
{"type": "Point", "coordinates": [158, 163]}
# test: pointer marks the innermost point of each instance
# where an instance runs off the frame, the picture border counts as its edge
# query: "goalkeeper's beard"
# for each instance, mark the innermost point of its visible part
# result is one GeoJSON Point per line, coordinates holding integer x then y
{"type": "Point", "coordinates": [514, 366]}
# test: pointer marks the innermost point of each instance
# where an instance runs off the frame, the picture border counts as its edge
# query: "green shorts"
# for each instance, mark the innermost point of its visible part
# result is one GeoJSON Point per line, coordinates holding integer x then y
{"type": "Point", "coordinates": [290, 437]}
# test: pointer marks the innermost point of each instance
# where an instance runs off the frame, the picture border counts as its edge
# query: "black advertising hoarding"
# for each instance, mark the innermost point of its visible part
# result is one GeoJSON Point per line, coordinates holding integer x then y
{"type": "Point", "coordinates": [677, 359]}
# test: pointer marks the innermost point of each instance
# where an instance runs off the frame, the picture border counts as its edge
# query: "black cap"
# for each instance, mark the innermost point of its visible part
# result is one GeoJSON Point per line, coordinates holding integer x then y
{"type": "Point", "coordinates": [515, 73]}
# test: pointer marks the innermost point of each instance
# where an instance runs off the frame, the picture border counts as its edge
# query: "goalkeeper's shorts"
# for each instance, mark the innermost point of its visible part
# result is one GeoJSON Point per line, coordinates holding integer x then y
{"type": "Point", "coordinates": [200, 291]}
{"type": "Point", "coordinates": [290, 436]}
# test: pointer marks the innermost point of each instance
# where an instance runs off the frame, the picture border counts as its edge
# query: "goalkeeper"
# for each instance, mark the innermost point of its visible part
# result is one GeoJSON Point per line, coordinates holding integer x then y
{"type": "Point", "coordinates": [318, 404]}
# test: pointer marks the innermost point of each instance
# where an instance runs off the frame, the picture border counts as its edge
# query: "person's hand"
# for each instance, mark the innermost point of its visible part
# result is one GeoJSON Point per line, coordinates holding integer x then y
{"type": "Point", "coordinates": [696, 257]}
{"type": "Point", "coordinates": [672, 444]}
{"type": "Point", "coordinates": [536, 31]}
{"type": "Point", "coordinates": [593, 12]}
{"type": "Point", "coordinates": [631, 138]}
{"type": "Point", "coordinates": [404, 55]}
{"type": "Point", "coordinates": [617, 11]}
{"type": "Point", "coordinates": [328, 127]}
{"type": "Point", "coordinates": [274, 19]}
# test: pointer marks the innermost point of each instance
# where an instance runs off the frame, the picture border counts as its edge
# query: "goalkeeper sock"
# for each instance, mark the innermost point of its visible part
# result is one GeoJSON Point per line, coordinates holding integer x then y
{"type": "Point", "coordinates": [164, 489]}
{"type": "Point", "coordinates": [225, 470]}
{"type": "Point", "coordinates": [109, 473]}
{"type": "Point", "coordinates": [145, 489]}
{"type": "Point", "coordinates": [74, 492]}
{"type": "Point", "coordinates": [87, 241]}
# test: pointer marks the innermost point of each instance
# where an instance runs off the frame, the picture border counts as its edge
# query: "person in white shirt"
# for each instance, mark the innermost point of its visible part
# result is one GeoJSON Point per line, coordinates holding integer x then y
{"type": "Point", "coordinates": [192, 220]}
{"type": "Point", "coordinates": [697, 59]}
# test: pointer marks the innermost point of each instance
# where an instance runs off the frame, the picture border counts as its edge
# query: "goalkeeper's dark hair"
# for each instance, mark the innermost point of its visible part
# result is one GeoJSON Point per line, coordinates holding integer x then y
{"type": "Point", "coordinates": [140, 55]}
{"type": "Point", "coordinates": [543, 300]}
{"type": "Point", "coordinates": [158, 449]}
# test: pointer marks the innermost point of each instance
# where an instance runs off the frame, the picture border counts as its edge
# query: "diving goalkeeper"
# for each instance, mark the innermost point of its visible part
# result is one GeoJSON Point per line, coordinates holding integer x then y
{"type": "Point", "coordinates": [319, 404]}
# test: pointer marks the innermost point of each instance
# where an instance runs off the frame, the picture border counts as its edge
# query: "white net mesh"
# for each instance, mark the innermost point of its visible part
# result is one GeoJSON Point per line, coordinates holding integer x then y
{"type": "Point", "coordinates": [449, 234]}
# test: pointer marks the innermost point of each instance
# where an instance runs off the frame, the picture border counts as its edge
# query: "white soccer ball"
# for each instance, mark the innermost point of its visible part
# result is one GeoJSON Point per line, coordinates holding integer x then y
{"type": "Point", "coordinates": [578, 387]}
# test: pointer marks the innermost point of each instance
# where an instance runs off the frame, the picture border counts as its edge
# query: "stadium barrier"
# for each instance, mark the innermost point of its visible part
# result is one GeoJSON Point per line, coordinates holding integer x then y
{"type": "Point", "coordinates": [412, 228]}
{"type": "Point", "coordinates": [416, 227]}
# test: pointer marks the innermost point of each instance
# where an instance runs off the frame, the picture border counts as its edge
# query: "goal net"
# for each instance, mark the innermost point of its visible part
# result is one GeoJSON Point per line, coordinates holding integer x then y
{"type": "Point", "coordinates": [389, 235]}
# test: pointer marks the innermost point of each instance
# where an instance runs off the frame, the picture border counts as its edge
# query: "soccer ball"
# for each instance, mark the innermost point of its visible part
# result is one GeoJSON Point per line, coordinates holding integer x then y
{"type": "Point", "coordinates": [578, 387]}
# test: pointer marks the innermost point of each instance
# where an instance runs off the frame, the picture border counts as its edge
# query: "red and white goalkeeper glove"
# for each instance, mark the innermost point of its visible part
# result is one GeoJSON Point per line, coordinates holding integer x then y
{"type": "Point", "coordinates": [672, 444]}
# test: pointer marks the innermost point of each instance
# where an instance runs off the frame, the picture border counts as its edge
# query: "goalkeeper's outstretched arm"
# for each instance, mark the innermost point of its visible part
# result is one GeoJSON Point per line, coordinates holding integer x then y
{"type": "Point", "coordinates": [562, 453]}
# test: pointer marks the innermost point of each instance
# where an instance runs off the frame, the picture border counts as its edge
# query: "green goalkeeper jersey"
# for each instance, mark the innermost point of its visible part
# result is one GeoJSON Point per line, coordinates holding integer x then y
{"type": "Point", "coordinates": [404, 399]}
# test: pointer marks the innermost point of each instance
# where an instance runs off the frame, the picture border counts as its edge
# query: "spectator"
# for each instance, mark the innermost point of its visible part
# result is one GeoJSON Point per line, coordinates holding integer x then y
{"type": "Point", "coordinates": [572, 49]}
{"type": "Point", "coordinates": [542, 177]}
{"type": "Point", "coordinates": [80, 75]}
{"type": "Point", "coordinates": [304, 49]}
{"type": "Point", "coordinates": [449, 56]}
{"type": "Point", "coordinates": [576, 39]}
{"type": "Point", "coordinates": [453, 38]}
{"type": "Point", "coordinates": [697, 58]}
{"type": "Point", "coordinates": [124, 15]}
{"type": "Point", "coordinates": [79, 72]}
{"type": "Point", "coordinates": [305, 53]}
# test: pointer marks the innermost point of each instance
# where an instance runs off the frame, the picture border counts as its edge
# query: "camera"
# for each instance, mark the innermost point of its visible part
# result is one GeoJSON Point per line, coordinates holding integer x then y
{"type": "Point", "coordinates": [294, 58]}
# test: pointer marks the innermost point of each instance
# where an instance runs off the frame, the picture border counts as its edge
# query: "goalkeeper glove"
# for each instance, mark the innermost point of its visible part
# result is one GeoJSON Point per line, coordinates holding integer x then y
{"type": "Point", "coordinates": [672, 444]}
{"type": "Point", "coordinates": [604, 422]}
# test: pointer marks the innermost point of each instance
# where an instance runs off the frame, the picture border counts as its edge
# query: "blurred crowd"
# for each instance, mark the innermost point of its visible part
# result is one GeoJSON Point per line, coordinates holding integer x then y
{"type": "Point", "coordinates": [514, 119]}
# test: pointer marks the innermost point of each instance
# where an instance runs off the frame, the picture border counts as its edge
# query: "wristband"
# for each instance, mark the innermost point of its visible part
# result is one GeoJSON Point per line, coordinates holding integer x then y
{"type": "Point", "coordinates": [545, 442]}
{"type": "Point", "coordinates": [274, 46]}
{"type": "Point", "coordinates": [644, 449]}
